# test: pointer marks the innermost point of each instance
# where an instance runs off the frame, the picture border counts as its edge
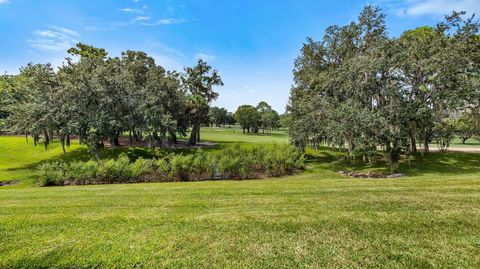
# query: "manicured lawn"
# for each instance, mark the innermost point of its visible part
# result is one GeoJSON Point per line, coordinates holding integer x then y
{"type": "Point", "coordinates": [235, 134]}
{"type": "Point", "coordinates": [472, 142]}
{"type": "Point", "coordinates": [18, 159]}
{"type": "Point", "coordinates": [314, 219]}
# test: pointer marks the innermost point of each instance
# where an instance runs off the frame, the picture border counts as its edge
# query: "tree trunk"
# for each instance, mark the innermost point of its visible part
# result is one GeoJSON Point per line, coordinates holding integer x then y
{"type": "Point", "coordinates": [198, 132]}
{"type": "Point", "coordinates": [26, 136]}
{"type": "Point", "coordinates": [425, 145]}
{"type": "Point", "coordinates": [193, 135]}
{"type": "Point", "coordinates": [413, 141]}
{"type": "Point", "coordinates": [46, 139]}
{"type": "Point", "coordinates": [173, 138]}
{"type": "Point", "coordinates": [62, 142]}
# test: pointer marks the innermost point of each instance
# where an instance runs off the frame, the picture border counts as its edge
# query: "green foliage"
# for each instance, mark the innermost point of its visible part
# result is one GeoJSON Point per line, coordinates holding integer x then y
{"type": "Point", "coordinates": [141, 167]}
{"type": "Point", "coordinates": [199, 81]}
{"type": "Point", "coordinates": [467, 126]}
{"type": "Point", "coordinates": [82, 172]}
{"type": "Point", "coordinates": [97, 98]}
{"type": "Point", "coordinates": [231, 162]}
{"type": "Point", "coordinates": [180, 167]}
{"type": "Point", "coordinates": [247, 116]}
{"type": "Point", "coordinates": [444, 133]}
{"type": "Point", "coordinates": [52, 174]}
{"type": "Point", "coordinates": [251, 119]}
{"type": "Point", "coordinates": [361, 90]}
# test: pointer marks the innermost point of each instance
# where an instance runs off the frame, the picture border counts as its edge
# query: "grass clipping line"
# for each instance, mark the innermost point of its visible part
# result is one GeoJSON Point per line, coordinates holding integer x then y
{"type": "Point", "coordinates": [232, 162]}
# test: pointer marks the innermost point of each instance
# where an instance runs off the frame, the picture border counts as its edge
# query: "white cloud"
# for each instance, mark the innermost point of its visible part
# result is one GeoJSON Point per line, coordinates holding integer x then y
{"type": "Point", "coordinates": [64, 30]}
{"type": "Point", "coordinates": [436, 7]}
{"type": "Point", "coordinates": [131, 10]}
{"type": "Point", "coordinates": [141, 18]}
{"type": "Point", "coordinates": [205, 56]}
{"type": "Point", "coordinates": [146, 21]}
{"type": "Point", "coordinates": [168, 50]}
{"type": "Point", "coordinates": [54, 39]}
{"type": "Point", "coordinates": [3, 1]}
{"type": "Point", "coordinates": [164, 22]}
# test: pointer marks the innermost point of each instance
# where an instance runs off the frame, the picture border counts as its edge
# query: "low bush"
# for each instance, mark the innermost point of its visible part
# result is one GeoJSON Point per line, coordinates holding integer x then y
{"type": "Point", "coordinates": [52, 174]}
{"type": "Point", "coordinates": [232, 162]}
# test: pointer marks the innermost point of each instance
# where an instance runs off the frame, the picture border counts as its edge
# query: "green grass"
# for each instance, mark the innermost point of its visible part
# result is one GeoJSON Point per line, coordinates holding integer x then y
{"type": "Point", "coordinates": [18, 159]}
{"type": "Point", "coordinates": [235, 134]}
{"type": "Point", "coordinates": [314, 219]}
{"type": "Point", "coordinates": [471, 142]}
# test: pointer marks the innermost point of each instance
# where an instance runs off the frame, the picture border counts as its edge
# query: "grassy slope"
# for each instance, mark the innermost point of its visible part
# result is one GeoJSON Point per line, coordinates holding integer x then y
{"type": "Point", "coordinates": [18, 159]}
{"type": "Point", "coordinates": [315, 219]}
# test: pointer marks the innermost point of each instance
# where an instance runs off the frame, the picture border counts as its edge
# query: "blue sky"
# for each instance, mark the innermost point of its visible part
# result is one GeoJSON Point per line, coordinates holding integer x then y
{"type": "Point", "coordinates": [253, 43]}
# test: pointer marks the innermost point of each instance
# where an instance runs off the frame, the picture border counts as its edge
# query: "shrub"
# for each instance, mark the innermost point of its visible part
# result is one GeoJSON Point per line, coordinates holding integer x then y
{"type": "Point", "coordinates": [180, 167]}
{"type": "Point", "coordinates": [142, 167]}
{"type": "Point", "coordinates": [203, 165]}
{"type": "Point", "coordinates": [113, 171]}
{"type": "Point", "coordinates": [83, 172]}
{"type": "Point", "coordinates": [163, 169]}
{"type": "Point", "coordinates": [51, 174]}
{"type": "Point", "coordinates": [232, 162]}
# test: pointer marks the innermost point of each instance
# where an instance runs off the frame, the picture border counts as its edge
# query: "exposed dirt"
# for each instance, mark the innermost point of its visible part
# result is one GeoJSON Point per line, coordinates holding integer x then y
{"type": "Point", "coordinates": [459, 149]}
{"type": "Point", "coordinates": [182, 144]}
{"type": "Point", "coordinates": [9, 182]}
{"type": "Point", "coordinates": [369, 174]}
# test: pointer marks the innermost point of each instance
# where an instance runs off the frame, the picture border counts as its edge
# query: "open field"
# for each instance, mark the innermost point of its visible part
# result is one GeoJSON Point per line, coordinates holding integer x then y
{"type": "Point", "coordinates": [314, 219]}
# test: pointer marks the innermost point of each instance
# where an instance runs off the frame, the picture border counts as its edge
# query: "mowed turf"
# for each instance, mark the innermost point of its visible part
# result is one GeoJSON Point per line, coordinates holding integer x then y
{"type": "Point", "coordinates": [314, 219]}
{"type": "Point", "coordinates": [19, 159]}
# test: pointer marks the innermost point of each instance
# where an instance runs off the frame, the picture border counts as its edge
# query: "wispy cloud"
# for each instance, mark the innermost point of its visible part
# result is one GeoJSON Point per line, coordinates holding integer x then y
{"type": "Point", "coordinates": [131, 10]}
{"type": "Point", "coordinates": [205, 56]}
{"type": "Point", "coordinates": [141, 18]}
{"type": "Point", "coordinates": [248, 89]}
{"type": "Point", "coordinates": [164, 22]}
{"type": "Point", "coordinates": [53, 39]}
{"type": "Point", "coordinates": [164, 49]}
{"type": "Point", "coordinates": [3, 1]}
{"type": "Point", "coordinates": [64, 30]}
{"type": "Point", "coordinates": [146, 21]}
{"type": "Point", "coordinates": [432, 7]}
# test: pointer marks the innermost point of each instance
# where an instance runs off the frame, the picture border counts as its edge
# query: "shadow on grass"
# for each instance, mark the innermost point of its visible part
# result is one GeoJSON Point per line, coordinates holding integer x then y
{"type": "Point", "coordinates": [133, 153]}
{"type": "Point", "coordinates": [443, 163]}
{"type": "Point", "coordinates": [449, 163]}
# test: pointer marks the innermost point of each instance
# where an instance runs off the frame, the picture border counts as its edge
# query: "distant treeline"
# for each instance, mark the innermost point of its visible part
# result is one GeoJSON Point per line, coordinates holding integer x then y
{"type": "Point", "coordinates": [360, 89]}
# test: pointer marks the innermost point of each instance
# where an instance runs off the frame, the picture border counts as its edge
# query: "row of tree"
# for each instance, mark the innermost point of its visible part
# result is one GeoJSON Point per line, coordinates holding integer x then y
{"type": "Point", "coordinates": [361, 89]}
{"type": "Point", "coordinates": [98, 98]}
{"type": "Point", "coordinates": [219, 116]}
{"type": "Point", "coordinates": [252, 119]}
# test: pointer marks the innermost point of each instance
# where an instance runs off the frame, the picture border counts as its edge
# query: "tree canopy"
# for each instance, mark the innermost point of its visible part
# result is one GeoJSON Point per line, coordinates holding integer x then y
{"type": "Point", "coordinates": [97, 98]}
{"type": "Point", "coordinates": [361, 89]}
